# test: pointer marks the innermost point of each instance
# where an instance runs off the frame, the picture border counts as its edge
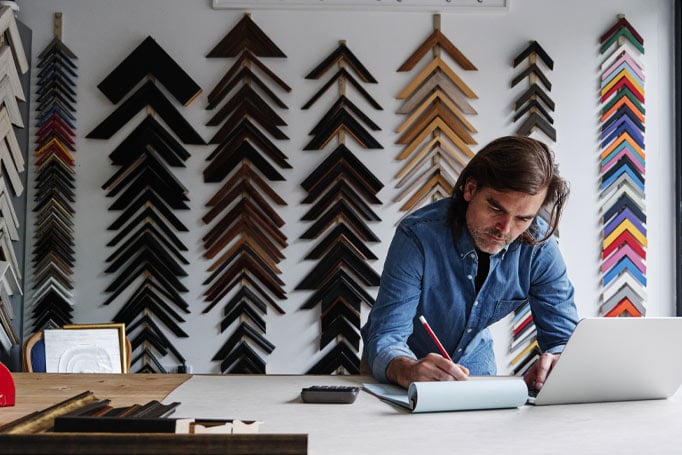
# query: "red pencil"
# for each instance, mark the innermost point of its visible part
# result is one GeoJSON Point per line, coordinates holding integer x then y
{"type": "Point", "coordinates": [434, 338]}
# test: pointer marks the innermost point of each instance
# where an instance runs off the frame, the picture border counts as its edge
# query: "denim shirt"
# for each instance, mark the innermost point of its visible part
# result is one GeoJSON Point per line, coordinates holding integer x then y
{"type": "Point", "coordinates": [430, 272]}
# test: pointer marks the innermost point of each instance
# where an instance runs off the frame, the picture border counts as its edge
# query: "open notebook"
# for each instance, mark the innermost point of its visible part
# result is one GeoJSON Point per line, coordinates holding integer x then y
{"type": "Point", "coordinates": [479, 392]}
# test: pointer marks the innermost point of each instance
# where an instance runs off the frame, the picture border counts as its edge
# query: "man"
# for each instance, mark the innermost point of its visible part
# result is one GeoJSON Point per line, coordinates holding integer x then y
{"type": "Point", "coordinates": [468, 261]}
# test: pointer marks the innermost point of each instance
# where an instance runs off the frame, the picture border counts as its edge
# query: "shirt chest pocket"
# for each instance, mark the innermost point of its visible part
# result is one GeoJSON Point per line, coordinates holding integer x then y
{"type": "Point", "coordinates": [504, 307]}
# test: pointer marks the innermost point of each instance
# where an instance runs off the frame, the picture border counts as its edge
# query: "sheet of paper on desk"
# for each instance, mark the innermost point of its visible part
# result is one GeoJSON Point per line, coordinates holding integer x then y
{"type": "Point", "coordinates": [494, 392]}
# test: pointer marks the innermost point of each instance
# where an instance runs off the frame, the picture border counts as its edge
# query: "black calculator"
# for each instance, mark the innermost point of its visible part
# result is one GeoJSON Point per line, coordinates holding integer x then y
{"type": "Point", "coordinates": [329, 394]}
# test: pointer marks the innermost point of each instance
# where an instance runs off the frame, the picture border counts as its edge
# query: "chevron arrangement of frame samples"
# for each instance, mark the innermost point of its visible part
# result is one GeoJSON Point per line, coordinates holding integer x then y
{"type": "Point", "coordinates": [341, 190]}
{"type": "Point", "coordinates": [245, 240]}
{"type": "Point", "coordinates": [533, 110]}
{"type": "Point", "coordinates": [13, 65]}
{"type": "Point", "coordinates": [55, 169]}
{"type": "Point", "coordinates": [148, 257]}
{"type": "Point", "coordinates": [622, 172]}
{"type": "Point", "coordinates": [436, 135]}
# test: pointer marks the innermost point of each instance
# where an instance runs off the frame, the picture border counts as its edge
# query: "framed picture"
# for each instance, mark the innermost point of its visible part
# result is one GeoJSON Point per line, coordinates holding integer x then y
{"type": "Point", "coordinates": [86, 348]}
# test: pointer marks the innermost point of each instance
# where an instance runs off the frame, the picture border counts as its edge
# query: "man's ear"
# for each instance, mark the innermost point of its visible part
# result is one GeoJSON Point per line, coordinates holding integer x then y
{"type": "Point", "coordinates": [469, 189]}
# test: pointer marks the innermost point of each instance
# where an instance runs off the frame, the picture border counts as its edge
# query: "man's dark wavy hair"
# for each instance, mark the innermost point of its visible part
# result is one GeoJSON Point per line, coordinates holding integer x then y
{"type": "Point", "coordinates": [514, 163]}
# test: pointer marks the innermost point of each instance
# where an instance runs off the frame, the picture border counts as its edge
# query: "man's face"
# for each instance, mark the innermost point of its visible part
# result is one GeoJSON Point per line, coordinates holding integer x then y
{"type": "Point", "coordinates": [496, 218]}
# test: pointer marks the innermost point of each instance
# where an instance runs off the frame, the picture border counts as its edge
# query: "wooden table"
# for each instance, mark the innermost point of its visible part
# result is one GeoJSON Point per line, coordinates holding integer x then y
{"type": "Point", "coordinates": [36, 391]}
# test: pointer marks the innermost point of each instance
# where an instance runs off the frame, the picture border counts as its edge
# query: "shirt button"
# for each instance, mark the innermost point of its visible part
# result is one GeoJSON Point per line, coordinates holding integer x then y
{"type": "Point", "coordinates": [475, 302]}
{"type": "Point", "coordinates": [472, 256]}
{"type": "Point", "coordinates": [470, 277]}
{"type": "Point", "coordinates": [459, 350]}
{"type": "Point", "coordinates": [468, 330]}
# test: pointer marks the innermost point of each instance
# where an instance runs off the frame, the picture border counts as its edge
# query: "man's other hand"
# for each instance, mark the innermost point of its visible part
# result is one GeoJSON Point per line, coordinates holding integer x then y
{"type": "Point", "coordinates": [537, 374]}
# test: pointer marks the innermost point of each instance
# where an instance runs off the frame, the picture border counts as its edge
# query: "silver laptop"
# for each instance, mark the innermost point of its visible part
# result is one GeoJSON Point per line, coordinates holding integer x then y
{"type": "Point", "coordinates": [617, 359]}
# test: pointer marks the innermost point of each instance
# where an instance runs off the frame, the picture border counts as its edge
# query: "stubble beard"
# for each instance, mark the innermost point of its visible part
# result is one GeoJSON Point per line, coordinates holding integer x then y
{"type": "Point", "coordinates": [490, 241]}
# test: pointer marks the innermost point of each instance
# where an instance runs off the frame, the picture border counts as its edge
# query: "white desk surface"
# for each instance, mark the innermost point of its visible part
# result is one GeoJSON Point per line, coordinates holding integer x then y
{"type": "Point", "coordinates": [370, 426]}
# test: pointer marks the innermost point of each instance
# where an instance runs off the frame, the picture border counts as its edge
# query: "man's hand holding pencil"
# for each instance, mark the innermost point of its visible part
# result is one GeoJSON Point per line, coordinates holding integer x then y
{"type": "Point", "coordinates": [432, 367]}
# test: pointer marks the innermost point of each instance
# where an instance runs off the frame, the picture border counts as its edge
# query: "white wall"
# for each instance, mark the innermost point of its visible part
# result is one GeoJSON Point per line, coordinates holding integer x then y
{"type": "Point", "coordinates": [102, 33]}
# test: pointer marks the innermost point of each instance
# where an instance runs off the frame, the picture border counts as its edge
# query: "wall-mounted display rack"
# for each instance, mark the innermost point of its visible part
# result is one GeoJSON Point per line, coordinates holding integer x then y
{"type": "Point", "coordinates": [460, 6]}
